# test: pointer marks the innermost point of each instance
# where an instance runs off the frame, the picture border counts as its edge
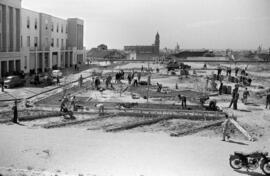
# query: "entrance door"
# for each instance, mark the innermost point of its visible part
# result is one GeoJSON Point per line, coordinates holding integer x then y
{"type": "Point", "coordinates": [18, 65]}
{"type": "Point", "coordinates": [4, 68]}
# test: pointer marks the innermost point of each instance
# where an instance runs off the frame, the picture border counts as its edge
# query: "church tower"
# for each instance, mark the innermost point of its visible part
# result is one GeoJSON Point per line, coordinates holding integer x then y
{"type": "Point", "coordinates": [157, 43]}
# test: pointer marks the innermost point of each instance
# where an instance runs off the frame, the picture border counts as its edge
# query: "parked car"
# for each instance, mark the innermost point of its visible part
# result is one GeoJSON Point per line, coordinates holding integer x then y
{"type": "Point", "coordinates": [13, 81]}
{"type": "Point", "coordinates": [43, 79]}
{"type": "Point", "coordinates": [56, 73]}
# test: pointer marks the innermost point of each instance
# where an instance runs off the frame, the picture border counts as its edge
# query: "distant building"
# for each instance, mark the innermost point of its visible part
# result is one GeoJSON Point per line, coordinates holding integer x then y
{"type": "Point", "coordinates": [102, 47]}
{"type": "Point", "coordinates": [146, 49]}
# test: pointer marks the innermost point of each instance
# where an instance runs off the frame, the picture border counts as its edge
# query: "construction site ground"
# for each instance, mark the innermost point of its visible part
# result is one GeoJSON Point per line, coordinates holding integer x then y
{"type": "Point", "coordinates": [88, 148]}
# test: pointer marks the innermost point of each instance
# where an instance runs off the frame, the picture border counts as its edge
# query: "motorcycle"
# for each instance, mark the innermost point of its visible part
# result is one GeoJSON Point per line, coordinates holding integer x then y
{"type": "Point", "coordinates": [251, 161]}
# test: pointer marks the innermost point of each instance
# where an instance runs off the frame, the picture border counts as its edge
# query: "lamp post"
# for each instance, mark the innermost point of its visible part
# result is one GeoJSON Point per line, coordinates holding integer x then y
{"type": "Point", "coordinates": [36, 58]}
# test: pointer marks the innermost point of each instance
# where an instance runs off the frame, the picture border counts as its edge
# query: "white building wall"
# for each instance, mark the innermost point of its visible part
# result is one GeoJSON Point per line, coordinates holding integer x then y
{"type": "Point", "coordinates": [29, 61]}
{"type": "Point", "coordinates": [31, 31]}
{"type": "Point", "coordinates": [60, 35]}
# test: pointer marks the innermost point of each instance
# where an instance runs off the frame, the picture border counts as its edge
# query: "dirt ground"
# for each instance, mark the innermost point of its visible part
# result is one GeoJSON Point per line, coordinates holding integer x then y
{"type": "Point", "coordinates": [148, 150]}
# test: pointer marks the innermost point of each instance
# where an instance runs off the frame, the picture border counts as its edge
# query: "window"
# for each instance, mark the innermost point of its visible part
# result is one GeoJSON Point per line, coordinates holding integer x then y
{"type": "Point", "coordinates": [57, 28]}
{"type": "Point", "coordinates": [62, 43]}
{"type": "Point", "coordinates": [0, 16]}
{"type": "Point", "coordinates": [46, 24]}
{"type": "Point", "coordinates": [57, 42]}
{"type": "Point", "coordinates": [52, 27]}
{"type": "Point", "coordinates": [52, 44]}
{"type": "Point", "coordinates": [28, 41]}
{"type": "Point", "coordinates": [28, 22]}
{"type": "Point", "coordinates": [62, 29]}
{"type": "Point", "coordinates": [47, 41]}
{"type": "Point", "coordinates": [36, 41]}
{"type": "Point", "coordinates": [21, 41]}
{"type": "Point", "coordinates": [36, 23]}
{"type": "Point", "coordinates": [0, 41]}
{"type": "Point", "coordinates": [25, 62]}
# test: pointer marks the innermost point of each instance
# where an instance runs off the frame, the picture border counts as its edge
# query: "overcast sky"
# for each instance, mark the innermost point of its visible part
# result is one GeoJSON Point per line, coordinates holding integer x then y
{"type": "Point", "coordinates": [214, 24]}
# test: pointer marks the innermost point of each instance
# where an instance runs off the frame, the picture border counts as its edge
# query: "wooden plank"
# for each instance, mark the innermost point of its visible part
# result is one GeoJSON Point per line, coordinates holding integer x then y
{"type": "Point", "coordinates": [241, 129]}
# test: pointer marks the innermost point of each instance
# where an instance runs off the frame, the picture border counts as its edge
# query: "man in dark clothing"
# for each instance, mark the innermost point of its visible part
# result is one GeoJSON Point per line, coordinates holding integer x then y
{"type": "Point", "coordinates": [184, 101]}
{"type": "Point", "coordinates": [15, 112]}
{"type": "Point", "coordinates": [219, 73]}
{"type": "Point", "coordinates": [213, 105]}
{"type": "Point", "coordinates": [229, 71]}
{"type": "Point", "coordinates": [220, 88]}
{"type": "Point", "coordinates": [267, 100]}
{"type": "Point", "coordinates": [109, 82]}
{"type": "Point", "coordinates": [245, 96]}
{"type": "Point", "coordinates": [159, 87]}
{"type": "Point", "coordinates": [63, 104]}
{"type": "Point", "coordinates": [2, 84]}
{"type": "Point", "coordinates": [235, 91]}
{"type": "Point", "coordinates": [235, 101]}
{"type": "Point", "coordinates": [236, 71]}
{"type": "Point", "coordinates": [57, 80]}
{"type": "Point", "coordinates": [97, 83]}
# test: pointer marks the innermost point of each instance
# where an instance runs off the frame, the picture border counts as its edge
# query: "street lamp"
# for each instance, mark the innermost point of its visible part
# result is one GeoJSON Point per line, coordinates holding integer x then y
{"type": "Point", "coordinates": [36, 58]}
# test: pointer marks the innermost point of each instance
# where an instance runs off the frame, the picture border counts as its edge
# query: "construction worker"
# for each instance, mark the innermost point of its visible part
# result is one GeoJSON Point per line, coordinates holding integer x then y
{"type": "Point", "coordinates": [219, 70]}
{"type": "Point", "coordinates": [135, 80]}
{"type": "Point", "coordinates": [63, 104]}
{"type": "Point", "coordinates": [267, 100]}
{"type": "Point", "coordinates": [159, 87]}
{"type": "Point", "coordinates": [235, 90]}
{"type": "Point", "coordinates": [73, 103]}
{"type": "Point", "coordinates": [15, 112]}
{"type": "Point", "coordinates": [57, 80]}
{"type": "Point", "coordinates": [236, 71]}
{"type": "Point", "coordinates": [235, 101]}
{"type": "Point", "coordinates": [109, 82]}
{"type": "Point", "coordinates": [2, 84]}
{"type": "Point", "coordinates": [97, 83]}
{"type": "Point", "coordinates": [213, 105]}
{"type": "Point", "coordinates": [100, 107]}
{"type": "Point", "coordinates": [184, 101]}
{"type": "Point", "coordinates": [245, 96]}
{"type": "Point", "coordinates": [220, 88]}
{"type": "Point", "coordinates": [207, 82]}
{"type": "Point", "coordinates": [80, 81]}
{"type": "Point", "coordinates": [225, 128]}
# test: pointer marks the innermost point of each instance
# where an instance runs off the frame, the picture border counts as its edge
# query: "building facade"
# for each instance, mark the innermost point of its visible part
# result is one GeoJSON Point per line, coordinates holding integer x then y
{"type": "Point", "coordinates": [40, 42]}
{"type": "Point", "coordinates": [10, 33]}
{"type": "Point", "coordinates": [146, 49]}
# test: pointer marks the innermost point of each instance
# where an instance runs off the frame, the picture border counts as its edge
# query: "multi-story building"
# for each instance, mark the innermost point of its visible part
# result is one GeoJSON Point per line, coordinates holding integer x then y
{"type": "Point", "coordinates": [44, 42]}
{"type": "Point", "coordinates": [10, 32]}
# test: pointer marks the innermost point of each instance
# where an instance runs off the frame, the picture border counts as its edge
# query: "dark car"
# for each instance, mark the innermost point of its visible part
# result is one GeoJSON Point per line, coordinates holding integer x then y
{"type": "Point", "coordinates": [13, 81]}
{"type": "Point", "coordinates": [172, 65]}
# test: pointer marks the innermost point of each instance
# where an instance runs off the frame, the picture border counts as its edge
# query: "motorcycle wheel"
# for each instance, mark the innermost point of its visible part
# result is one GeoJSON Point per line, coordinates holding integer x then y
{"type": "Point", "coordinates": [235, 162]}
{"type": "Point", "coordinates": [266, 167]}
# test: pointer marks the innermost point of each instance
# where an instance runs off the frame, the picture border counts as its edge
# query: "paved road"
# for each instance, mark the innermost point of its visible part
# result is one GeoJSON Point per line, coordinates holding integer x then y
{"type": "Point", "coordinates": [24, 92]}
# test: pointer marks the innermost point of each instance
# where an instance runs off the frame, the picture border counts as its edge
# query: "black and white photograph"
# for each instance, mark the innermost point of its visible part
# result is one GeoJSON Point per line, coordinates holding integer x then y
{"type": "Point", "coordinates": [135, 88]}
